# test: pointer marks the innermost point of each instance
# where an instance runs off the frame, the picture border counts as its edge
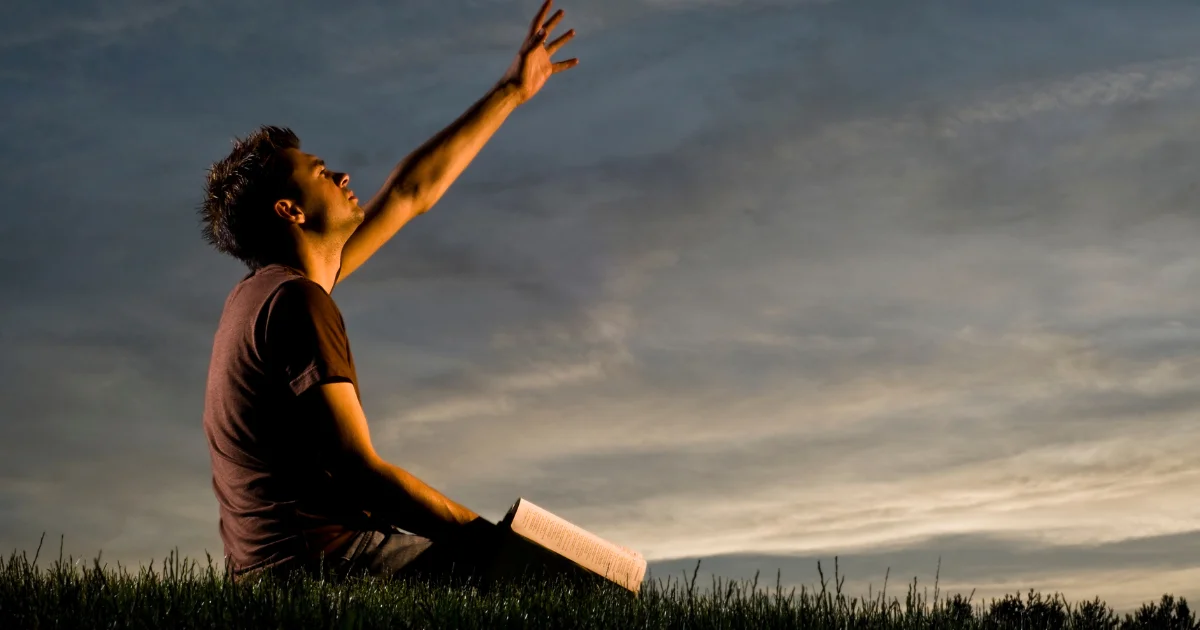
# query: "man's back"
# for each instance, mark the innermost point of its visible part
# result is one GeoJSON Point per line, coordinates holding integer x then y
{"type": "Point", "coordinates": [280, 334]}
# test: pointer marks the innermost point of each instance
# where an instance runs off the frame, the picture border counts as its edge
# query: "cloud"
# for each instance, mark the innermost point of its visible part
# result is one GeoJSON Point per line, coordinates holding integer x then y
{"type": "Point", "coordinates": [594, 350]}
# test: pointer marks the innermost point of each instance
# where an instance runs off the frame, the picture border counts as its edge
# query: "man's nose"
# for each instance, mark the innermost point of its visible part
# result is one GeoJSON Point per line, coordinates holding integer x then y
{"type": "Point", "coordinates": [342, 179]}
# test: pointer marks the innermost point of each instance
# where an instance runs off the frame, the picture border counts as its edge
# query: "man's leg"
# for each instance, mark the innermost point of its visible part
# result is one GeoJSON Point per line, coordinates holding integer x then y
{"type": "Point", "coordinates": [484, 556]}
{"type": "Point", "coordinates": [397, 554]}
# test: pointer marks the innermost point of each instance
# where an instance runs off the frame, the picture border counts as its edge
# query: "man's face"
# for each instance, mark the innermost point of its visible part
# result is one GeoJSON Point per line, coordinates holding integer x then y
{"type": "Point", "coordinates": [328, 203]}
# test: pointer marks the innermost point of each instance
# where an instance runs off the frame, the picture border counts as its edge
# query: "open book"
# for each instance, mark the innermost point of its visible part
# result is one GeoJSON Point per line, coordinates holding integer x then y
{"type": "Point", "coordinates": [549, 533]}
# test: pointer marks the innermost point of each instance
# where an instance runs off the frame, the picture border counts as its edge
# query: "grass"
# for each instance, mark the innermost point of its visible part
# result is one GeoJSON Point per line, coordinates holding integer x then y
{"type": "Point", "coordinates": [184, 596]}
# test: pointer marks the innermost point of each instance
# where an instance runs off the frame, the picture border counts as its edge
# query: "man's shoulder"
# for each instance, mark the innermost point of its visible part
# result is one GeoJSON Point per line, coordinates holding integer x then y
{"type": "Point", "coordinates": [284, 294]}
{"type": "Point", "coordinates": [272, 275]}
{"type": "Point", "coordinates": [268, 282]}
{"type": "Point", "coordinates": [265, 290]}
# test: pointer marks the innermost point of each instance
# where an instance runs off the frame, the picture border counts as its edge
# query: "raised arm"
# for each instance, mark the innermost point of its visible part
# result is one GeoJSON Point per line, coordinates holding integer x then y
{"type": "Point", "coordinates": [421, 178]}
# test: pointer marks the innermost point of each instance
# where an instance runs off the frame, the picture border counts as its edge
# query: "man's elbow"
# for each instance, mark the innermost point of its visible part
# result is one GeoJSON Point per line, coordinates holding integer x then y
{"type": "Point", "coordinates": [356, 467]}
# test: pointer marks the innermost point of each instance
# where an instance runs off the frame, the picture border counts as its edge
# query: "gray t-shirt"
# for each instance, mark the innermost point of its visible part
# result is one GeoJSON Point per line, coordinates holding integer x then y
{"type": "Point", "coordinates": [280, 334]}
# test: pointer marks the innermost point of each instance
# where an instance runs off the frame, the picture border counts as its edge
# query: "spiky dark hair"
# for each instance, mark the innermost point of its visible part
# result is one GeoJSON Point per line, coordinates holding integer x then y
{"type": "Point", "coordinates": [236, 215]}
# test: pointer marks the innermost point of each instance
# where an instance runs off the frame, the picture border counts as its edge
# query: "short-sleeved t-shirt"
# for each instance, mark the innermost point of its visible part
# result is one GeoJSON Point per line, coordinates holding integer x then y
{"type": "Point", "coordinates": [279, 335]}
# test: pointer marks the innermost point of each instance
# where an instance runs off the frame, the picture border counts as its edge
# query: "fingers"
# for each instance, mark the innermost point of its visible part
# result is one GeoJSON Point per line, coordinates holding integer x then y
{"type": "Point", "coordinates": [553, 46]}
{"type": "Point", "coordinates": [540, 17]}
{"type": "Point", "coordinates": [553, 21]}
{"type": "Point", "coordinates": [563, 65]}
{"type": "Point", "coordinates": [539, 32]}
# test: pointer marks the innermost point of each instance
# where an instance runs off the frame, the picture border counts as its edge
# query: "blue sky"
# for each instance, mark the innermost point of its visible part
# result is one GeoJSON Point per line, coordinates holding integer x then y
{"type": "Point", "coordinates": [760, 282]}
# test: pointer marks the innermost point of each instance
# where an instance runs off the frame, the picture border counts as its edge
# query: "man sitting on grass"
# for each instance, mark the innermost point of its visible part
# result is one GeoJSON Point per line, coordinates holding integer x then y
{"type": "Point", "coordinates": [296, 477]}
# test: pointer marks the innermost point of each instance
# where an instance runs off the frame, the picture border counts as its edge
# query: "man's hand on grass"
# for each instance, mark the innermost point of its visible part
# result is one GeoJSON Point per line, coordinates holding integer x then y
{"type": "Point", "coordinates": [478, 537]}
{"type": "Point", "coordinates": [532, 67]}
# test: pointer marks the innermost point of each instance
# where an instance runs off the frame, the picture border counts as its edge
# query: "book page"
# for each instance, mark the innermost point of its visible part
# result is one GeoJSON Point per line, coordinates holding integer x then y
{"type": "Point", "coordinates": [619, 564]}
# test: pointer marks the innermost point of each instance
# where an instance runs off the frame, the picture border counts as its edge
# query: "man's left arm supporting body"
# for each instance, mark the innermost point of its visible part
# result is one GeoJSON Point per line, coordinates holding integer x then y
{"type": "Point", "coordinates": [305, 336]}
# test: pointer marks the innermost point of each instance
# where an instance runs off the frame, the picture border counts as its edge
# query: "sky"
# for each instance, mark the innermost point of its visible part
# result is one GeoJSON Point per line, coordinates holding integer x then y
{"type": "Point", "coordinates": [759, 283]}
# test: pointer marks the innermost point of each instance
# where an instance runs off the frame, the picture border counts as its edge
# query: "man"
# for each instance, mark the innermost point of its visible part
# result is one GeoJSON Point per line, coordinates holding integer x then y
{"type": "Point", "coordinates": [297, 480]}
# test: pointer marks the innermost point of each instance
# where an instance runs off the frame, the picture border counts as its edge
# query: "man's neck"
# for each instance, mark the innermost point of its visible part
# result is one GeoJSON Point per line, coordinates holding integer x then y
{"type": "Point", "coordinates": [319, 265]}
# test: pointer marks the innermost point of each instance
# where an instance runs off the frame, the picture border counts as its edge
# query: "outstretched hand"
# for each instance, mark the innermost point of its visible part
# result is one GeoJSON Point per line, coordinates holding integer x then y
{"type": "Point", "coordinates": [532, 67]}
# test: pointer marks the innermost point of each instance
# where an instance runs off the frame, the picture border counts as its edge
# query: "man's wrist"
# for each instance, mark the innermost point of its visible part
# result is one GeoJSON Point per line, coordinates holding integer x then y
{"type": "Point", "coordinates": [479, 533]}
{"type": "Point", "coordinates": [507, 93]}
{"type": "Point", "coordinates": [465, 516]}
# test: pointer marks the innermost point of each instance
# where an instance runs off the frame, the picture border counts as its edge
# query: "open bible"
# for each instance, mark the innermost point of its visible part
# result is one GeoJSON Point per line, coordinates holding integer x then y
{"type": "Point", "coordinates": [535, 538]}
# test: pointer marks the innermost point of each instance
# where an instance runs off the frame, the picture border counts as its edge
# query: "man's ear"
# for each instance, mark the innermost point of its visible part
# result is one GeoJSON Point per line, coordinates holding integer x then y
{"type": "Point", "coordinates": [289, 211]}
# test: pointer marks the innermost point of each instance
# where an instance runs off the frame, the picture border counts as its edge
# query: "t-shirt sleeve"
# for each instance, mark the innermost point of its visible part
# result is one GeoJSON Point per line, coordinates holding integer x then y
{"type": "Point", "coordinates": [305, 337]}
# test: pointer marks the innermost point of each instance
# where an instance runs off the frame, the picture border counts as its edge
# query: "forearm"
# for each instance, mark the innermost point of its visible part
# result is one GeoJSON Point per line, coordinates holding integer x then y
{"type": "Point", "coordinates": [426, 173]}
{"type": "Point", "coordinates": [400, 498]}
{"type": "Point", "coordinates": [421, 178]}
